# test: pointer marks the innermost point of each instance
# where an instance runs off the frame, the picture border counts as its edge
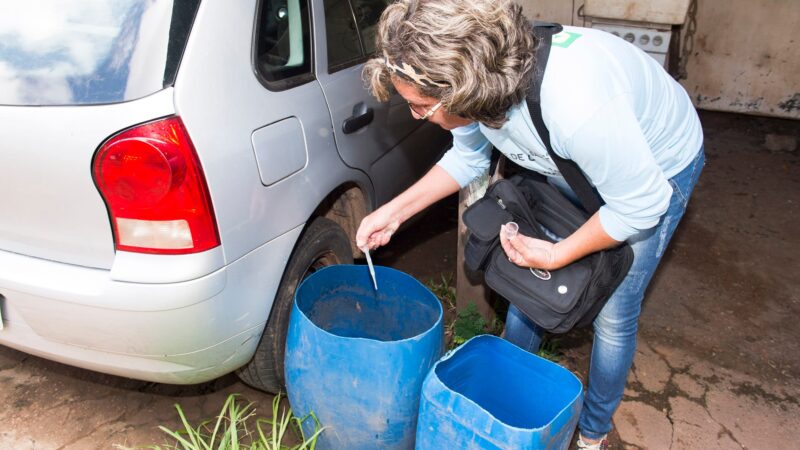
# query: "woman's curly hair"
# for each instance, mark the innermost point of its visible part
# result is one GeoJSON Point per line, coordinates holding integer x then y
{"type": "Point", "coordinates": [481, 51]}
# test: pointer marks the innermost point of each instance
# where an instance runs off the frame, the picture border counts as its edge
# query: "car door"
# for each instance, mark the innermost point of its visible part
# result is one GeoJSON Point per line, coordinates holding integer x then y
{"type": "Point", "coordinates": [381, 139]}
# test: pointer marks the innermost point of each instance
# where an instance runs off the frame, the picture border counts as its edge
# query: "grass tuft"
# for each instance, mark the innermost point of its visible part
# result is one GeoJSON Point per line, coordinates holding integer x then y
{"type": "Point", "coordinates": [445, 291]}
{"type": "Point", "coordinates": [233, 429]}
{"type": "Point", "coordinates": [462, 325]}
{"type": "Point", "coordinates": [468, 324]}
{"type": "Point", "coordinates": [550, 348]}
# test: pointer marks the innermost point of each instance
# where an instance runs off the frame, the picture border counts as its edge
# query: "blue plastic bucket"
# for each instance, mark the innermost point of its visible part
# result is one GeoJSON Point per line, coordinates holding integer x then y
{"type": "Point", "coordinates": [490, 394]}
{"type": "Point", "coordinates": [356, 358]}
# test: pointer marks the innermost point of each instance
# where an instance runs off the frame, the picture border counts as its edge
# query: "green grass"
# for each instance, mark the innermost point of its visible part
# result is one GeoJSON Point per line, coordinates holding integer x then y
{"type": "Point", "coordinates": [237, 427]}
{"type": "Point", "coordinates": [467, 323]}
{"type": "Point", "coordinates": [550, 348]}
{"type": "Point", "coordinates": [462, 325]}
{"type": "Point", "coordinates": [445, 291]}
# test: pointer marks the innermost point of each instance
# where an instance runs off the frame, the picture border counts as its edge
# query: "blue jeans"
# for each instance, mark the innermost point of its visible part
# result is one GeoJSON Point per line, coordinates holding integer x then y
{"type": "Point", "coordinates": [616, 326]}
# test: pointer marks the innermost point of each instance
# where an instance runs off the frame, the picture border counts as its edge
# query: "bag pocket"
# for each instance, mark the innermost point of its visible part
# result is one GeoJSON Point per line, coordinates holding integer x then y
{"type": "Point", "coordinates": [549, 303]}
{"type": "Point", "coordinates": [476, 252]}
{"type": "Point", "coordinates": [553, 210]}
{"type": "Point", "coordinates": [483, 220]}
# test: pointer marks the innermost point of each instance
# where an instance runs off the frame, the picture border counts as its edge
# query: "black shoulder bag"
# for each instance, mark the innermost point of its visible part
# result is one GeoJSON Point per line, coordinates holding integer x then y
{"type": "Point", "coordinates": [556, 300]}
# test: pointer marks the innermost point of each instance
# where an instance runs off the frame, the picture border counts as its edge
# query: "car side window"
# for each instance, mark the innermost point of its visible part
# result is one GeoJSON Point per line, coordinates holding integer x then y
{"type": "Point", "coordinates": [368, 13]}
{"type": "Point", "coordinates": [344, 46]}
{"type": "Point", "coordinates": [283, 43]}
{"type": "Point", "coordinates": [351, 28]}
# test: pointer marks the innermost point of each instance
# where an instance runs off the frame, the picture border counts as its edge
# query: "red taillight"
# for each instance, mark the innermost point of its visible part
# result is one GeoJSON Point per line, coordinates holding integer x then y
{"type": "Point", "coordinates": [155, 190]}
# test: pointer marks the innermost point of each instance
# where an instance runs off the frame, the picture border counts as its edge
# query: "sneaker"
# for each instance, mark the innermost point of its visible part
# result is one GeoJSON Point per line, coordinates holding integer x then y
{"type": "Point", "coordinates": [600, 445]}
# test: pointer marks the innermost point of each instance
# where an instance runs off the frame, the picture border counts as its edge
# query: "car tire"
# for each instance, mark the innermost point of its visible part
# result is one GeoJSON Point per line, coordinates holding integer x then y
{"type": "Point", "coordinates": [323, 243]}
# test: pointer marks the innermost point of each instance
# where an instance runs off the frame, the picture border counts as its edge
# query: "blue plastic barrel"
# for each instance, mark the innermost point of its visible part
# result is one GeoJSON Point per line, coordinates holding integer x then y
{"type": "Point", "coordinates": [490, 394]}
{"type": "Point", "coordinates": [357, 358]}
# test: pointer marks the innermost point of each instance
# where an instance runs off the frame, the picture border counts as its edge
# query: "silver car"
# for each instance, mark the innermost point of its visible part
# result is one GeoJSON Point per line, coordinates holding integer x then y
{"type": "Point", "coordinates": [173, 168]}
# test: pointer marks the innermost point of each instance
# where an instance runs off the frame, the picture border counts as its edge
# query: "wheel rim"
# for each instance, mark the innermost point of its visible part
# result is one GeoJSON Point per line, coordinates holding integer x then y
{"type": "Point", "coordinates": [324, 259]}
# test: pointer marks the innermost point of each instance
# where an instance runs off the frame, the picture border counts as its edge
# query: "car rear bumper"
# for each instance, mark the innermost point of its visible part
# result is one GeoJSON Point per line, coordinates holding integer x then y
{"type": "Point", "coordinates": [183, 333]}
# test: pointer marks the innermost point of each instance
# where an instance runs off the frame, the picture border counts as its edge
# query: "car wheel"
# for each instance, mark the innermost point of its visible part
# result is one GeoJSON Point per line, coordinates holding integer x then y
{"type": "Point", "coordinates": [323, 243]}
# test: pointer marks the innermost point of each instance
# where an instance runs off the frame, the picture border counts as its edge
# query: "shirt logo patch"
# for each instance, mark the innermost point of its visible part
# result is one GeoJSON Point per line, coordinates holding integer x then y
{"type": "Point", "coordinates": [565, 39]}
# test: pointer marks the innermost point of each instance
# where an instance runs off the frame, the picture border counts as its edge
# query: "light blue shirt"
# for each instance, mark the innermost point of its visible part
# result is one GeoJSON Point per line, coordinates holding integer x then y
{"type": "Point", "coordinates": [610, 108]}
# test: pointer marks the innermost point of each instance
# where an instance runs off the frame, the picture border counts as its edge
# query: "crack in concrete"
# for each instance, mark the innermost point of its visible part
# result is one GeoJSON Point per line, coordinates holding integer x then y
{"type": "Point", "coordinates": [658, 400]}
{"type": "Point", "coordinates": [671, 428]}
{"type": "Point", "coordinates": [663, 358]}
{"type": "Point", "coordinates": [704, 382]}
{"type": "Point", "coordinates": [725, 430]}
{"type": "Point", "coordinates": [661, 400]}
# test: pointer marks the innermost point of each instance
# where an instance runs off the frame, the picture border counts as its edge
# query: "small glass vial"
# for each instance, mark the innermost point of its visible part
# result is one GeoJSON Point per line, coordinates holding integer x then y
{"type": "Point", "coordinates": [511, 230]}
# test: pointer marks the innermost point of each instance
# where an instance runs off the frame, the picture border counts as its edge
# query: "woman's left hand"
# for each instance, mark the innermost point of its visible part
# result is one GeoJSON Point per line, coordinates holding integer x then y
{"type": "Point", "coordinates": [525, 251]}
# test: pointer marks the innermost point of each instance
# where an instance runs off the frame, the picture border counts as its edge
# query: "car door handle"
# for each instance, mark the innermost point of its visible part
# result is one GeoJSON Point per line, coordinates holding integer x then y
{"type": "Point", "coordinates": [362, 116]}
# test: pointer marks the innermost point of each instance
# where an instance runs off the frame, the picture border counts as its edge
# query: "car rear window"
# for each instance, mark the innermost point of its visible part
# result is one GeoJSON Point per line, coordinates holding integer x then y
{"type": "Point", "coordinates": [77, 52]}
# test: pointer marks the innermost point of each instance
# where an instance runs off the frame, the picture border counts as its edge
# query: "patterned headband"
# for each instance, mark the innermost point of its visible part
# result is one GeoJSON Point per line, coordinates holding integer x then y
{"type": "Point", "coordinates": [408, 72]}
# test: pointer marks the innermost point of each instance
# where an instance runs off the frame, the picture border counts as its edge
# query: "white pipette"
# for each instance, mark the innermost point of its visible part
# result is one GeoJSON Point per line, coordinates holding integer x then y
{"type": "Point", "coordinates": [371, 267]}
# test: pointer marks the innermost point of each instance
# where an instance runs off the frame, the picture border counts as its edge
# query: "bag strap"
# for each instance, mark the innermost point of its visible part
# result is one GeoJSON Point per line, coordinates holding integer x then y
{"type": "Point", "coordinates": [591, 201]}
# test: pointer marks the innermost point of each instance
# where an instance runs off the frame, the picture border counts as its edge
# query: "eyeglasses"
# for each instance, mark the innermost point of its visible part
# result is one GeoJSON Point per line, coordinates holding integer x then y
{"type": "Point", "coordinates": [426, 115]}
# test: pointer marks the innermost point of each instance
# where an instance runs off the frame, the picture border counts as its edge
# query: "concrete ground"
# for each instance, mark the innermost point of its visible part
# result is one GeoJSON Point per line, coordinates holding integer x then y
{"type": "Point", "coordinates": [719, 347]}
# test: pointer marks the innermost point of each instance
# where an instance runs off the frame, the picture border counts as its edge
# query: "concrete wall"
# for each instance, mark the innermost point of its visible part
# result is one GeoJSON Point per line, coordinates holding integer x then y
{"type": "Point", "coordinates": [561, 11]}
{"type": "Point", "coordinates": [747, 57]}
{"type": "Point", "coordinates": [746, 54]}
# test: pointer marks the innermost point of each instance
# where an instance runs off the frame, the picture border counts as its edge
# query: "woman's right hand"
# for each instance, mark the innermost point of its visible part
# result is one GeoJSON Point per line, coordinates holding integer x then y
{"type": "Point", "coordinates": [377, 228]}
